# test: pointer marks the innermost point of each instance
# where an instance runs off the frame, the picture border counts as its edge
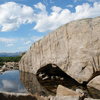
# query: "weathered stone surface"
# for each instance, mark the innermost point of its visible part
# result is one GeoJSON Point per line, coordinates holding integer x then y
{"type": "Point", "coordinates": [94, 87]}
{"type": "Point", "coordinates": [64, 98]}
{"type": "Point", "coordinates": [9, 66]}
{"type": "Point", "coordinates": [20, 96]}
{"type": "Point", "coordinates": [90, 99]}
{"type": "Point", "coordinates": [95, 83]}
{"type": "Point", "coordinates": [63, 91]}
{"type": "Point", "coordinates": [16, 96]}
{"type": "Point", "coordinates": [32, 85]}
{"type": "Point", "coordinates": [72, 47]}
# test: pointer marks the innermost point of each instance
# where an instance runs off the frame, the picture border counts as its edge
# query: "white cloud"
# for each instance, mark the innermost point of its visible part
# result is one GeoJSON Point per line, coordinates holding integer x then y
{"type": "Point", "coordinates": [56, 9]}
{"type": "Point", "coordinates": [15, 42]}
{"type": "Point", "coordinates": [36, 38]}
{"type": "Point", "coordinates": [7, 40]}
{"type": "Point", "coordinates": [40, 6]}
{"type": "Point", "coordinates": [12, 15]}
{"type": "Point", "coordinates": [8, 84]}
{"type": "Point", "coordinates": [28, 42]}
{"type": "Point", "coordinates": [58, 16]}
{"type": "Point", "coordinates": [22, 90]}
{"type": "Point", "coordinates": [10, 45]}
{"type": "Point", "coordinates": [70, 6]}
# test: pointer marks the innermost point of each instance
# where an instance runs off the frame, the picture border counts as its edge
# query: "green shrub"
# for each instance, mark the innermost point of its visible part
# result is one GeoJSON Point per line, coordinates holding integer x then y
{"type": "Point", "coordinates": [10, 59]}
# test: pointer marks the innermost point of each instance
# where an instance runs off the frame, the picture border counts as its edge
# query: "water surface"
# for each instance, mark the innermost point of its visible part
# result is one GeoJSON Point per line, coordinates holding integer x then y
{"type": "Point", "coordinates": [21, 82]}
{"type": "Point", "coordinates": [10, 82]}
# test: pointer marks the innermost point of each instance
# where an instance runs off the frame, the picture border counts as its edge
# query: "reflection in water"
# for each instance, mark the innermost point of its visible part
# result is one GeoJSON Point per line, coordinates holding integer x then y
{"type": "Point", "coordinates": [10, 82]}
{"type": "Point", "coordinates": [32, 85]}
{"type": "Point", "coordinates": [21, 82]}
{"type": "Point", "coordinates": [50, 76]}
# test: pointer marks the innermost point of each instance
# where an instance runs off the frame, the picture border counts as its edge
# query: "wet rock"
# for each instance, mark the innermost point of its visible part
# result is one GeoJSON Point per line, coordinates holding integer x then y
{"type": "Point", "coordinates": [1, 71]}
{"type": "Point", "coordinates": [9, 66]}
{"type": "Point", "coordinates": [16, 96]}
{"type": "Point", "coordinates": [63, 91]}
{"type": "Point", "coordinates": [79, 91]}
{"type": "Point", "coordinates": [4, 68]}
{"type": "Point", "coordinates": [12, 65]}
{"type": "Point", "coordinates": [94, 87]}
{"type": "Point", "coordinates": [21, 96]}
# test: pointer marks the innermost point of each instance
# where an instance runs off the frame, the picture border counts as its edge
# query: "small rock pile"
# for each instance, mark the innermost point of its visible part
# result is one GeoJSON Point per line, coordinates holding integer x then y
{"type": "Point", "coordinates": [9, 66]}
{"type": "Point", "coordinates": [63, 93]}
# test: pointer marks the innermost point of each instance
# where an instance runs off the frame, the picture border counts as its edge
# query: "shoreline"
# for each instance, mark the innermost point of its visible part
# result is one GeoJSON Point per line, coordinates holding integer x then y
{"type": "Point", "coordinates": [9, 66]}
{"type": "Point", "coordinates": [62, 93]}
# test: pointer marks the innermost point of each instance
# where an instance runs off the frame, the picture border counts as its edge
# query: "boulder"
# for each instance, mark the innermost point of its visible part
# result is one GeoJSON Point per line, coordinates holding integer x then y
{"type": "Point", "coordinates": [11, 65]}
{"type": "Point", "coordinates": [64, 98]}
{"type": "Point", "coordinates": [16, 96]}
{"type": "Point", "coordinates": [63, 91]}
{"type": "Point", "coordinates": [73, 47]}
{"type": "Point", "coordinates": [95, 83]}
{"type": "Point", "coordinates": [20, 96]}
{"type": "Point", "coordinates": [94, 87]}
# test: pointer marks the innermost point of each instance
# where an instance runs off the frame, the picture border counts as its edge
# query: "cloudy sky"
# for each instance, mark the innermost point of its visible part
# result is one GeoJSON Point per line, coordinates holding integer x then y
{"type": "Point", "coordinates": [23, 22]}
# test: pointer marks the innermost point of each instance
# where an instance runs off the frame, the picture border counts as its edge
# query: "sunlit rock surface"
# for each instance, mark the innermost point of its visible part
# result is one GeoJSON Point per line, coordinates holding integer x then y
{"type": "Point", "coordinates": [94, 87]}
{"type": "Point", "coordinates": [65, 98]}
{"type": "Point", "coordinates": [63, 91]}
{"type": "Point", "coordinates": [73, 48]}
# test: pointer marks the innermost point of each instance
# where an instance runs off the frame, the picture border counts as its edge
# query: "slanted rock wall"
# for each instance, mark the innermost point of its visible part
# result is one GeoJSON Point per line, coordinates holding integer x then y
{"type": "Point", "coordinates": [74, 48]}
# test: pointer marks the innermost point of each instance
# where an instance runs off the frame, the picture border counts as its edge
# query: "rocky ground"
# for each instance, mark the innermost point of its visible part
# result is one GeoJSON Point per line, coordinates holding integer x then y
{"type": "Point", "coordinates": [9, 66]}
{"type": "Point", "coordinates": [63, 93]}
{"type": "Point", "coordinates": [91, 91]}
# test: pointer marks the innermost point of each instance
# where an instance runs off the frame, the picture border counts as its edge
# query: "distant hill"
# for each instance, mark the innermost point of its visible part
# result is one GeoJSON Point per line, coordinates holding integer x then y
{"type": "Point", "coordinates": [4, 54]}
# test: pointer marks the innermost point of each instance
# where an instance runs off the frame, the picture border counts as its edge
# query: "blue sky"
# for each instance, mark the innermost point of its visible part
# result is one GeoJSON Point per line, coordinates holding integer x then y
{"type": "Point", "coordinates": [23, 22]}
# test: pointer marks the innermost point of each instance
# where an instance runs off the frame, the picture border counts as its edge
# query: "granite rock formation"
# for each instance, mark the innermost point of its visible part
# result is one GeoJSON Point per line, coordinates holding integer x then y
{"type": "Point", "coordinates": [94, 87]}
{"type": "Point", "coordinates": [74, 48]}
{"type": "Point", "coordinates": [16, 96]}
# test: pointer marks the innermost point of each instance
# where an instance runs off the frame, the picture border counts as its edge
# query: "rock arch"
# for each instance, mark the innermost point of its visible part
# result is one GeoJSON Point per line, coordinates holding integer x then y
{"type": "Point", "coordinates": [70, 47]}
{"type": "Point", "coordinates": [55, 74]}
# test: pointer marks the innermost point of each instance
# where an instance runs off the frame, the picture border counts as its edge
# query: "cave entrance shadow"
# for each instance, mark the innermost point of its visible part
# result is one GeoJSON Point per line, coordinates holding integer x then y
{"type": "Point", "coordinates": [50, 76]}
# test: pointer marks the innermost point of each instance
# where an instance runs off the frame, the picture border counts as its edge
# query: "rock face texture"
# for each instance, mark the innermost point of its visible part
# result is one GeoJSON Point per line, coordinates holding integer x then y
{"type": "Point", "coordinates": [32, 85]}
{"type": "Point", "coordinates": [65, 98]}
{"type": "Point", "coordinates": [63, 91]}
{"type": "Point", "coordinates": [16, 96]}
{"type": "Point", "coordinates": [20, 96]}
{"type": "Point", "coordinates": [74, 48]}
{"type": "Point", "coordinates": [94, 87]}
{"type": "Point", "coordinates": [95, 83]}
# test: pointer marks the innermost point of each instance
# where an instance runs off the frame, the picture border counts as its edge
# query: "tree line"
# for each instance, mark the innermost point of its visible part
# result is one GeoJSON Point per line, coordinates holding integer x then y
{"type": "Point", "coordinates": [9, 59]}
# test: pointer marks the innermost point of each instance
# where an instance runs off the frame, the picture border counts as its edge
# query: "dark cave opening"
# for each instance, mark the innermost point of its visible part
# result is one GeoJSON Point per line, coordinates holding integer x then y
{"type": "Point", "coordinates": [50, 76]}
